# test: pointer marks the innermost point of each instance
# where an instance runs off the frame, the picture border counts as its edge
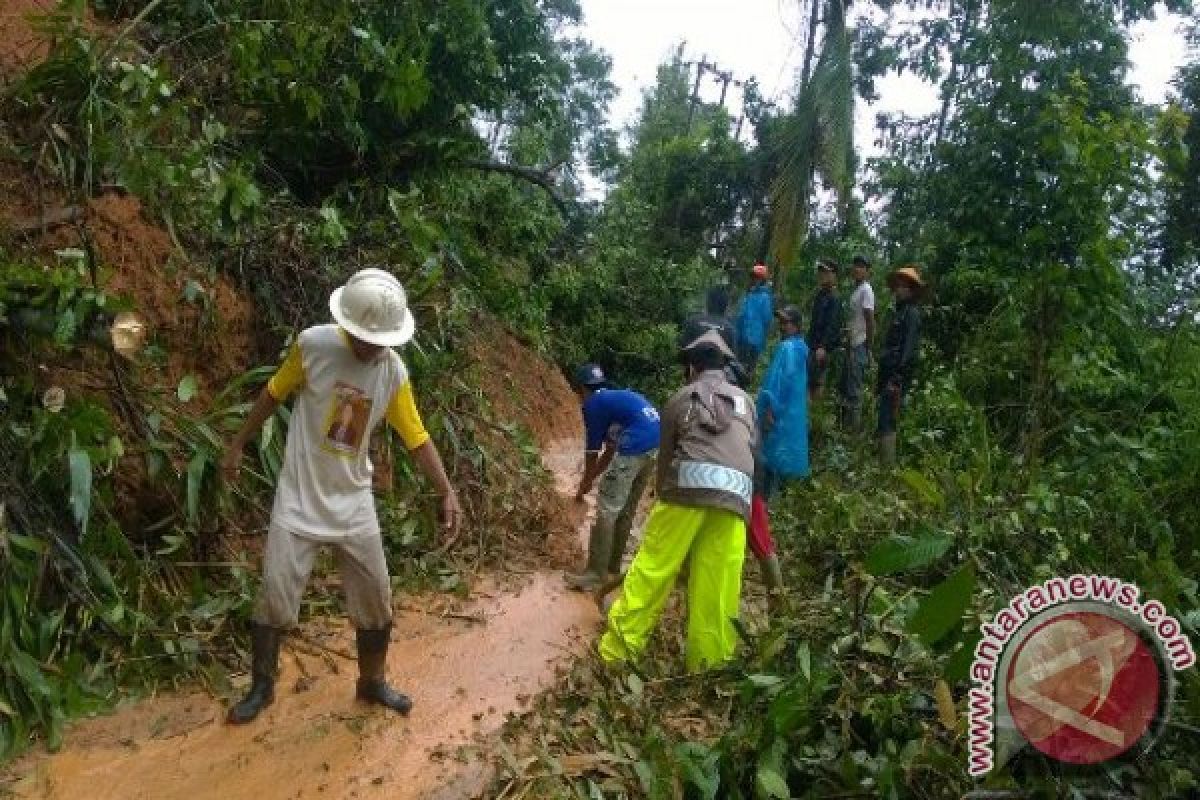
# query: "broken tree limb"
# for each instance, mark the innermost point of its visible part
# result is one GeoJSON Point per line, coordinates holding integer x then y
{"type": "Point", "coordinates": [538, 177]}
{"type": "Point", "coordinates": [478, 619]}
{"type": "Point", "coordinates": [50, 219]}
{"type": "Point", "coordinates": [311, 642]}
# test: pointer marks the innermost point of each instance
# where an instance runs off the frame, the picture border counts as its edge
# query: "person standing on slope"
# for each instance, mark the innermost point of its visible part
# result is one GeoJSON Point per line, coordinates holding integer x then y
{"type": "Point", "coordinates": [716, 303]}
{"type": "Point", "coordinates": [704, 483]}
{"type": "Point", "coordinates": [783, 406]}
{"type": "Point", "coordinates": [754, 319]}
{"type": "Point", "coordinates": [824, 327]}
{"type": "Point", "coordinates": [898, 357]}
{"type": "Point", "coordinates": [713, 319]}
{"type": "Point", "coordinates": [346, 380]}
{"type": "Point", "coordinates": [621, 431]}
{"type": "Point", "coordinates": [860, 334]}
{"type": "Point", "coordinates": [783, 420]}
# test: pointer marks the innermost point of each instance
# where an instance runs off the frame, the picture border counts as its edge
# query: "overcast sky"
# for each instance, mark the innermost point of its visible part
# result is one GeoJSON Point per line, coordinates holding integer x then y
{"type": "Point", "coordinates": [761, 38]}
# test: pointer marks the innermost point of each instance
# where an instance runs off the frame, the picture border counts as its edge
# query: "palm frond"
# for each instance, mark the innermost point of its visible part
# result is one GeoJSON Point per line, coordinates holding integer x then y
{"type": "Point", "coordinates": [833, 91]}
{"type": "Point", "coordinates": [817, 137]}
{"type": "Point", "coordinates": [791, 187]}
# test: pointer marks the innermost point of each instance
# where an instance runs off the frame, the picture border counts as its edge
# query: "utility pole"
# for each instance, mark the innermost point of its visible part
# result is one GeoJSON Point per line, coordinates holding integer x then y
{"type": "Point", "coordinates": [701, 68]}
{"type": "Point", "coordinates": [725, 78]}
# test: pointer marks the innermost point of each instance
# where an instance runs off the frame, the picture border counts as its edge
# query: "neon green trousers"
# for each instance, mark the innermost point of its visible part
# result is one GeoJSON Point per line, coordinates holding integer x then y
{"type": "Point", "coordinates": [716, 541]}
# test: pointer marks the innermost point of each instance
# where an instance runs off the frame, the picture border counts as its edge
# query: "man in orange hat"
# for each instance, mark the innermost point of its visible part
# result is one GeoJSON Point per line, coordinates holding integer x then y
{"type": "Point", "coordinates": [754, 318]}
{"type": "Point", "coordinates": [898, 358]}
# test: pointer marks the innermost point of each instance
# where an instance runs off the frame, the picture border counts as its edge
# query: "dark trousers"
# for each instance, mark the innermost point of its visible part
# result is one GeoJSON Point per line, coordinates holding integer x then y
{"type": "Point", "coordinates": [890, 406]}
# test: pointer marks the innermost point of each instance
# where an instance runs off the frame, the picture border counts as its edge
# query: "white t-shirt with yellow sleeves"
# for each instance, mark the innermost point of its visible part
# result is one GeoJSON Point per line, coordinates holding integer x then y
{"type": "Point", "coordinates": [324, 487]}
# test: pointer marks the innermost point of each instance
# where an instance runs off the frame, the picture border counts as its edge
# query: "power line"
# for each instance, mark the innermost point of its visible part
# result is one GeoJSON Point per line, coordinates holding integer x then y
{"type": "Point", "coordinates": [795, 40]}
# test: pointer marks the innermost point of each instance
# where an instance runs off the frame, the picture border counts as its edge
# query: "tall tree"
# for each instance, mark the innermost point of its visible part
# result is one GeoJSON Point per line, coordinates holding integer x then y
{"type": "Point", "coordinates": [1010, 195]}
{"type": "Point", "coordinates": [815, 137]}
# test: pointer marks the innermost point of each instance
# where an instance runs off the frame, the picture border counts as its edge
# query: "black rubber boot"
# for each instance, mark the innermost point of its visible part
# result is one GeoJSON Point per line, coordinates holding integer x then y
{"type": "Point", "coordinates": [262, 688]}
{"type": "Point", "coordinates": [372, 666]}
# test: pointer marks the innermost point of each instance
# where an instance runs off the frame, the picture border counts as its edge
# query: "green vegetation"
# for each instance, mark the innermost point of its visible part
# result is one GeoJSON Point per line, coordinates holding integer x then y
{"type": "Point", "coordinates": [1055, 426]}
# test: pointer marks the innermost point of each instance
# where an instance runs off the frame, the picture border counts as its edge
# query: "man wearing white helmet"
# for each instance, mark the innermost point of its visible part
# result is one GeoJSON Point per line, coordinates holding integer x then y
{"type": "Point", "coordinates": [346, 379]}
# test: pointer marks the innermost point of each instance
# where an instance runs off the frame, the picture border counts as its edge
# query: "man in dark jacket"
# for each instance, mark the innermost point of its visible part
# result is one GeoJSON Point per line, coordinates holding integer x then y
{"type": "Point", "coordinates": [704, 484]}
{"type": "Point", "coordinates": [716, 303]}
{"type": "Point", "coordinates": [824, 327]}
{"type": "Point", "coordinates": [898, 358]}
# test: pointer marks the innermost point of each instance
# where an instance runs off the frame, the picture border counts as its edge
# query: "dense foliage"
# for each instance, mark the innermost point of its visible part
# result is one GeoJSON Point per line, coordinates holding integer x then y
{"type": "Point", "coordinates": [1054, 432]}
{"type": "Point", "coordinates": [1055, 426]}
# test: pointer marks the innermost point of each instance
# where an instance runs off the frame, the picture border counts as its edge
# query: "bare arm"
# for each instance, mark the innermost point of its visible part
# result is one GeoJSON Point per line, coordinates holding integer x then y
{"type": "Point", "coordinates": [429, 461]}
{"type": "Point", "coordinates": [264, 406]}
{"type": "Point", "coordinates": [594, 465]}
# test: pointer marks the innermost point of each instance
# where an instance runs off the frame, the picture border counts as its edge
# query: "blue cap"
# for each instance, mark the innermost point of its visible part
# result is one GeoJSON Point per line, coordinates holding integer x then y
{"type": "Point", "coordinates": [590, 375]}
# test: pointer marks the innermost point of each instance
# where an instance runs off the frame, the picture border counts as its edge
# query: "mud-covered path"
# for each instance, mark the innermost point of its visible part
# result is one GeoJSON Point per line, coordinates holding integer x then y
{"type": "Point", "coordinates": [466, 665]}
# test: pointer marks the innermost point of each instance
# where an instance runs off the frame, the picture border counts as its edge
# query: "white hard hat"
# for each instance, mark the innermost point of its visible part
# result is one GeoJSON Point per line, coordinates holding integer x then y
{"type": "Point", "coordinates": [373, 307]}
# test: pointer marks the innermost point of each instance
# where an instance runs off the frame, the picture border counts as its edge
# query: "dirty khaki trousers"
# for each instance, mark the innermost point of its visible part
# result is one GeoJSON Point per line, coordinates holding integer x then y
{"type": "Point", "coordinates": [617, 501]}
{"type": "Point", "coordinates": [288, 561]}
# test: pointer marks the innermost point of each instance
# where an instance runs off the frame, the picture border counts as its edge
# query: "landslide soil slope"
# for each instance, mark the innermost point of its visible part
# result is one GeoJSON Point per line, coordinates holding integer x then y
{"type": "Point", "coordinates": [467, 663]}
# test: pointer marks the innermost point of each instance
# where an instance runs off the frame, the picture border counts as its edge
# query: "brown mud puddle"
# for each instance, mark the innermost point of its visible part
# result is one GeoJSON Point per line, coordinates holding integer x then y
{"type": "Point", "coordinates": [466, 665]}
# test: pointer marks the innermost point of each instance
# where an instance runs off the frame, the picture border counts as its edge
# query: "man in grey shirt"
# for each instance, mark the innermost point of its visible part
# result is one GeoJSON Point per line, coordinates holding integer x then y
{"type": "Point", "coordinates": [860, 327]}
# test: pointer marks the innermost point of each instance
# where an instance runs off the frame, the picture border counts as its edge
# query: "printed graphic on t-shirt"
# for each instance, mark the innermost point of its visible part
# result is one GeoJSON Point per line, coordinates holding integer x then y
{"type": "Point", "coordinates": [617, 434]}
{"type": "Point", "coordinates": [346, 423]}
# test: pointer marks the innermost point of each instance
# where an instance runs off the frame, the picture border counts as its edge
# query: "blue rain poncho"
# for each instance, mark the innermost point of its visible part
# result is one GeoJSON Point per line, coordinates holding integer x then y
{"type": "Point", "coordinates": [784, 393]}
{"type": "Point", "coordinates": [754, 319]}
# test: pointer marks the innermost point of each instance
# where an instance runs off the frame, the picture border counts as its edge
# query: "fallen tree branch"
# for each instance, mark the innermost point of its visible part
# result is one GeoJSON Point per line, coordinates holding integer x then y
{"type": "Point", "coordinates": [538, 177]}
{"type": "Point", "coordinates": [311, 642]}
{"type": "Point", "coordinates": [128, 29]}
{"type": "Point", "coordinates": [50, 219]}
{"type": "Point", "coordinates": [478, 619]}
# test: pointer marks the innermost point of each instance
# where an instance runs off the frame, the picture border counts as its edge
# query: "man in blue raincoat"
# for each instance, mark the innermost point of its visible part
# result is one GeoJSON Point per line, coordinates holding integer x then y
{"type": "Point", "coordinates": [783, 406]}
{"type": "Point", "coordinates": [754, 319]}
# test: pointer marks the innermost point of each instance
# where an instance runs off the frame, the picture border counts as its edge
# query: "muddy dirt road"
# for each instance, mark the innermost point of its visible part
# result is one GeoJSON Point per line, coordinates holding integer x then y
{"type": "Point", "coordinates": [466, 664]}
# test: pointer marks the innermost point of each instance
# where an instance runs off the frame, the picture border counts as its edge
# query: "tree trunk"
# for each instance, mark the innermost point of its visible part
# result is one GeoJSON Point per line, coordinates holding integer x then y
{"type": "Point", "coordinates": [814, 20]}
{"type": "Point", "coordinates": [950, 85]}
{"type": "Point", "coordinates": [1044, 330]}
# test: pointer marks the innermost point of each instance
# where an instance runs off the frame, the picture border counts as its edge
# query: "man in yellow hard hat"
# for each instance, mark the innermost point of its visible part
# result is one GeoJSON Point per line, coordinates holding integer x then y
{"type": "Point", "coordinates": [346, 380]}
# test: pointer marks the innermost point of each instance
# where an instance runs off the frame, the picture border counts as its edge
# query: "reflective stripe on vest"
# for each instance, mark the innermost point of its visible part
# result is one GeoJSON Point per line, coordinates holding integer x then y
{"type": "Point", "coordinates": [699, 475]}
